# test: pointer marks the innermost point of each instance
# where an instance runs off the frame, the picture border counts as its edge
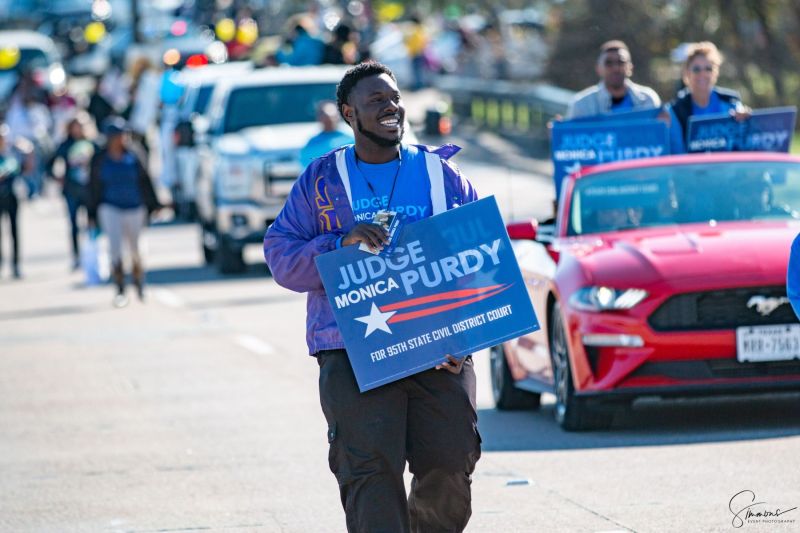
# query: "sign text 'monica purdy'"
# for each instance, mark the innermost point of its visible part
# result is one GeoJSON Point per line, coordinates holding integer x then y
{"type": "Point", "coordinates": [409, 265]}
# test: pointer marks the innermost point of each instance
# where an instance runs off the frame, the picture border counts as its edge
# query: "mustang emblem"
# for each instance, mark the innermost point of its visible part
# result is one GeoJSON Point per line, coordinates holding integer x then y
{"type": "Point", "coordinates": [765, 306]}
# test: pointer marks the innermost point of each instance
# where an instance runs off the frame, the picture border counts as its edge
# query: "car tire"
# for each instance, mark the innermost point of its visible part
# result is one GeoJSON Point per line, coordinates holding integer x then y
{"type": "Point", "coordinates": [229, 258]}
{"type": "Point", "coordinates": [571, 413]}
{"type": "Point", "coordinates": [506, 396]}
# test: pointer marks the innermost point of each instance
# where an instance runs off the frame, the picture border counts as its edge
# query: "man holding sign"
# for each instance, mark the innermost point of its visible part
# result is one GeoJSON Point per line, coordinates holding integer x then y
{"type": "Point", "coordinates": [615, 92]}
{"type": "Point", "coordinates": [428, 419]}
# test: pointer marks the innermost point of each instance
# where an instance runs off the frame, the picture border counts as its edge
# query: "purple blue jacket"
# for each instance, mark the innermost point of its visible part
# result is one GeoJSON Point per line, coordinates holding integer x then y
{"type": "Point", "coordinates": [318, 211]}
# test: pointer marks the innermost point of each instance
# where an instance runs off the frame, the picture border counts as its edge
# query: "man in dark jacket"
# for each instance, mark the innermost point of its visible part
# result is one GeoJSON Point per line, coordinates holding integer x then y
{"type": "Point", "coordinates": [428, 419]}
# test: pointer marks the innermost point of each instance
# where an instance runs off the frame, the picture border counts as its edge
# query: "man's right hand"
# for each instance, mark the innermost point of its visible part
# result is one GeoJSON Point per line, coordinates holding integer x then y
{"type": "Point", "coordinates": [372, 235]}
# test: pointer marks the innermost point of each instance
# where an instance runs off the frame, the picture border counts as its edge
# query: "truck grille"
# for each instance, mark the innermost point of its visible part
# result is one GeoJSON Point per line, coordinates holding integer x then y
{"type": "Point", "coordinates": [721, 309]}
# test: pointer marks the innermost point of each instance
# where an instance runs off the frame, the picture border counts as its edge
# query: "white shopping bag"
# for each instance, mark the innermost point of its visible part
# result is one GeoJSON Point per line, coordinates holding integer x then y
{"type": "Point", "coordinates": [94, 263]}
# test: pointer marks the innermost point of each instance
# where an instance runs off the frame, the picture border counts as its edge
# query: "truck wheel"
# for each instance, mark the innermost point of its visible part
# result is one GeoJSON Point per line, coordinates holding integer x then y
{"type": "Point", "coordinates": [229, 258]}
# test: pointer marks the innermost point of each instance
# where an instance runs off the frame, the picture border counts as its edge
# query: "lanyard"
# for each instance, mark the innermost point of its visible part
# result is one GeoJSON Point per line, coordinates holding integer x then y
{"type": "Point", "coordinates": [394, 180]}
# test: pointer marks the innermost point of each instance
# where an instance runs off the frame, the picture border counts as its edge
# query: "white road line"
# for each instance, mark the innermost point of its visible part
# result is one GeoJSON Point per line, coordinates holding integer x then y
{"type": "Point", "coordinates": [254, 344]}
{"type": "Point", "coordinates": [168, 298]}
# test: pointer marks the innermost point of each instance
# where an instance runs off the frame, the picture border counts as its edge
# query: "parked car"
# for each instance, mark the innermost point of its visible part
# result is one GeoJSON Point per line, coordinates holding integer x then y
{"type": "Point", "coordinates": [198, 84]}
{"type": "Point", "coordinates": [661, 276]}
{"type": "Point", "coordinates": [249, 153]}
{"type": "Point", "coordinates": [26, 50]}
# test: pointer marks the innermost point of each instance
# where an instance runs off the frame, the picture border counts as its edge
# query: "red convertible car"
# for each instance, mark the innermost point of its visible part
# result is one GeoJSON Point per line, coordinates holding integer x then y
{"type": "Point", "coordinates": [663, 276]}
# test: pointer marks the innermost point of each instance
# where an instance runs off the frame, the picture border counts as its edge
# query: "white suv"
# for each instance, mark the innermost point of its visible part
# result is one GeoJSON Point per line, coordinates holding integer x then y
{"type": "Point", "coordinates": [250, 154]}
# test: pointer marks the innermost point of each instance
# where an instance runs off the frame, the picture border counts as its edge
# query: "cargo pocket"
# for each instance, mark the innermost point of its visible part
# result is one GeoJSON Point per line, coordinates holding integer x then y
{"type": "Point", "coordinates": [333, 462]}
{"type": "Point", "coordinates": [476, 452]}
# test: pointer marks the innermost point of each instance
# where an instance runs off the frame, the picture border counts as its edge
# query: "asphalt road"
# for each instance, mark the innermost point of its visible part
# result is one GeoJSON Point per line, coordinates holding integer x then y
{"type": "Point", "coordinates": [198, 411]}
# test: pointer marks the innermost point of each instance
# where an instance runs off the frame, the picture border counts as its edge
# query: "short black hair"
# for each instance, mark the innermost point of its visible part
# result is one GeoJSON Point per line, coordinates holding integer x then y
{"type": "Point", "coordinates": [356, 74]}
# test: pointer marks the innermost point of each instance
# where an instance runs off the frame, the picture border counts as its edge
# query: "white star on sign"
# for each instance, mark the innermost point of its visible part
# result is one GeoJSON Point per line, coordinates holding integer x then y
{"type": "Point", "coordinates": [376, 320]}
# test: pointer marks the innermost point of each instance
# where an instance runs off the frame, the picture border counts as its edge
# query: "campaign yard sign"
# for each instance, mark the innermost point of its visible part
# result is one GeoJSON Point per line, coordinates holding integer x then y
{"type": "Point", "coordinates": [451, 285]}
{"type": "Point", "coordinates": [576, 144]}
{"type": "Point", "coordinates": [631, 114]}
{"type": "Point", "coordinates": [767, 130]}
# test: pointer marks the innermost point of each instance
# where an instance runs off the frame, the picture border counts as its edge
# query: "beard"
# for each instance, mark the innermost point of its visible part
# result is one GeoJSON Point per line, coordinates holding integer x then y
{"type": "Point", "coordinates": [377, 139]}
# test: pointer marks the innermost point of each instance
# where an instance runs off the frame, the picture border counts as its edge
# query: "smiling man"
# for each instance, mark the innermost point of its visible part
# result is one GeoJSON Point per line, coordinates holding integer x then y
{"type": "Point", "coordinates": [428, 419]}
{"type": "Point", "coordinates": [615, 91]}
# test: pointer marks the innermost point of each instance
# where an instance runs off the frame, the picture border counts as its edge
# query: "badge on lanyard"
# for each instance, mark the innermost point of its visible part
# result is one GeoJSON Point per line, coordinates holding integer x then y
{"type": "Point", "coordinates": [390, 221]}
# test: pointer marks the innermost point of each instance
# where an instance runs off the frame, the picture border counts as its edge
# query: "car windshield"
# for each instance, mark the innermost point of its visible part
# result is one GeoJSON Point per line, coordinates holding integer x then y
{"type": "Point", "coordinates": [684, 194]}
{"type": "Point", "coordinates": [275, 104]}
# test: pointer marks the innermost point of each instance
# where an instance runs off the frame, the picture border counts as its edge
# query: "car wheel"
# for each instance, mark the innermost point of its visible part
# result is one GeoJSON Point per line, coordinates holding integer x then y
{"type": "Point", "coordinates": [571, 413]}
{"type": "Point", "coordinates": [229, 258]}
{"type": "Point", "coordinates": [506, 396]}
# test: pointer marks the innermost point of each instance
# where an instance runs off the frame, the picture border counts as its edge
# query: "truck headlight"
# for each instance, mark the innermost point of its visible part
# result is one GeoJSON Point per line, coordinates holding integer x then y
{"type": "Point", "coordinates": [606, 298]}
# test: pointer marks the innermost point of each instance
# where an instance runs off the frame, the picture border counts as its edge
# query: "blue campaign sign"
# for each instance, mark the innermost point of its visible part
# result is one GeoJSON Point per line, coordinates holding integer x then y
{"type": "Point", "coordinates": [451, 286]}
{"type": "Point", "coordinates": [633, 114]}
{"type": "Point", "coordinates": [767, 130]}
{"type": "Point", "coordinates": [578, 144]}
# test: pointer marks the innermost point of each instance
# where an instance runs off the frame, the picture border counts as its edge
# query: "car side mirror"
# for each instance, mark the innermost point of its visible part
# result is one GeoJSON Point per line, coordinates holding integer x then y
{"type": "Point", "coordinates": [527, 230]}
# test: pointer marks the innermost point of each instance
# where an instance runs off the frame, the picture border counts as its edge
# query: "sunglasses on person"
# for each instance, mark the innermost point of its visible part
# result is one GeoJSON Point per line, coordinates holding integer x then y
{"type": "Point", "coordinates": [615, 63]}
{"type": "Point", "coordinates": [698, 69]}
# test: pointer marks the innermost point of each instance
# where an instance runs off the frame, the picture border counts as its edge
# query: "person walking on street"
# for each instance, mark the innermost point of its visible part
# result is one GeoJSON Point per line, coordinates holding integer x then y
{"type": "Point", "coordinates": [121, 198]}
{"type": "Point", "coordinates": [615, 91]}
{"type": "Point", "coordinates": [428, 419]}
{"type": "Point", "coordinates": [29, 121]}
{"type": "Point", "coordinates": [10, 170]}
{"type": "Point", "coordinates": [416, 41]}
{"type": "Point", "coordinates": [701, 95]}
{"type": "Point", "coordinates": [76, 154]}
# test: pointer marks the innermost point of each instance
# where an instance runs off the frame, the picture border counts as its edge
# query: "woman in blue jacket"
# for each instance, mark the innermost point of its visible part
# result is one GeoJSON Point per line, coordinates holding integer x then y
{"type": "Point", "coordinates": [121, 197]}
{"type": "Point", "coordinates": [701, 95]}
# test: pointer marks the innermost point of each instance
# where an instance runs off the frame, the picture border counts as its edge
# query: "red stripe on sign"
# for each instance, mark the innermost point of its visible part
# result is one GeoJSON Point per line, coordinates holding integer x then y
{"type": "Point", "coordinates": [402, 317]}
{"type": "Point", "coordinates": [451, 295]}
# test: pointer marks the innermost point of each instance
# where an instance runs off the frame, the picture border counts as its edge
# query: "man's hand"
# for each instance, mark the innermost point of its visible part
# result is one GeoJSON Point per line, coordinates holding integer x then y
{"type": "Point", "coordinates": [452, 365]}
{"type": "Point", "coordinates": [372, 235]}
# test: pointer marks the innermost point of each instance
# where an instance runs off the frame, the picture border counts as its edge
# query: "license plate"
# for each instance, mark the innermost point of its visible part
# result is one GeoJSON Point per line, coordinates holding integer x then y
{"type": "Point", "coordinates": [767, 343]}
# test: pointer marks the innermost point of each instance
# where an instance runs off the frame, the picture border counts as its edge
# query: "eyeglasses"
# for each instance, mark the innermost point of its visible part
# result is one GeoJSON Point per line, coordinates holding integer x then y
{"type": "Point", "coordinates": [698, 69]}
{"type": "Point", "coordinates": [617, 63]}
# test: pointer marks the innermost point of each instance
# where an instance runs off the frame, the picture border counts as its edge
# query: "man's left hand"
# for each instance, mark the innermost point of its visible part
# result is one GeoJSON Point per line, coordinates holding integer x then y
{"type": "Point", "coordinates": [452, 365]}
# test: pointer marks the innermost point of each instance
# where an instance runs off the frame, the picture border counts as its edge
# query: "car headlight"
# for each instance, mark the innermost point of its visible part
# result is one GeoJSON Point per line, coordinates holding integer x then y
{"type": "Point", "coordinates": [606, 298]}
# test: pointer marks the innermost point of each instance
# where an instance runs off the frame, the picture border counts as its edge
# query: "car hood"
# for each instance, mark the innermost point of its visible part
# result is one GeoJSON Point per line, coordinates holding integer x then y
{"type": "Point", "coordinates": [277, 138]}
{"type": "Point", "coordinates": [741, 253]}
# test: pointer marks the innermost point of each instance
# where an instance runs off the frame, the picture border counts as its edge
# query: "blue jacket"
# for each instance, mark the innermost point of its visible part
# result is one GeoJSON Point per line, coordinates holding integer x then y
{"type": "Point", "coordinates": [319, 210]}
